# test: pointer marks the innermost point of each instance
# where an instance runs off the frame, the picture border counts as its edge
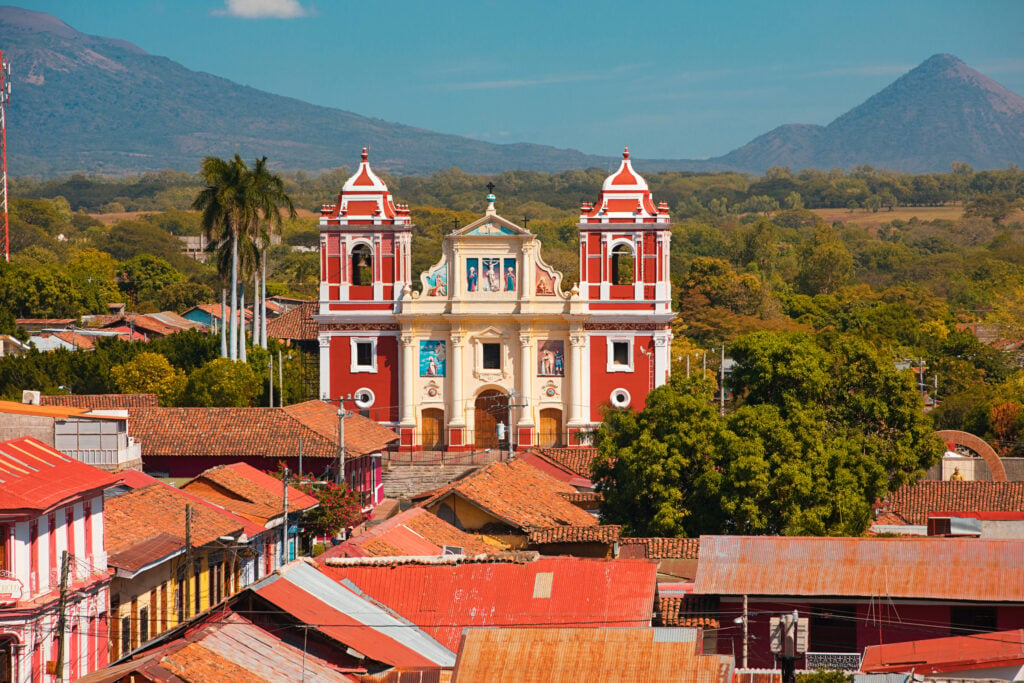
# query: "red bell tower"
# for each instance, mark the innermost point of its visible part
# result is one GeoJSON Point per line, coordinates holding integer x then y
{"type": "Point", "coordinates": [365, 266]}
{"type": "Point", "coordinates": [626, 288]}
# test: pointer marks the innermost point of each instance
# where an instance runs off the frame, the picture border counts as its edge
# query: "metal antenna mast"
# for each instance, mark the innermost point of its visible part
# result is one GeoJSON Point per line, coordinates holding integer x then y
{"type": "Point", "coordinates": [5, 97]}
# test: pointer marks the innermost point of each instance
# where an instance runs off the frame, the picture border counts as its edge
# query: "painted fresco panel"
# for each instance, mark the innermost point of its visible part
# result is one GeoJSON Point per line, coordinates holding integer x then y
{"type": "Point", "coordinates": [432, 358]}
{"type": "Point", "coordinates": [551, 358]}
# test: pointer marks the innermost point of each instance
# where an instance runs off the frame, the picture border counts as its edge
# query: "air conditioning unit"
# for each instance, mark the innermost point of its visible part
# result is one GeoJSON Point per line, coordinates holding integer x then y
{"type": "Point", "coordinates": [30, 397]}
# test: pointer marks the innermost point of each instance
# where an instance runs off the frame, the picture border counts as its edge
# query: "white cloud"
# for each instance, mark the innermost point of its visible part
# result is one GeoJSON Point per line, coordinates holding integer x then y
{"type": "Point", "coordinates": [523, 82]}
{"type": "Point", "coordinates": [264, 9]}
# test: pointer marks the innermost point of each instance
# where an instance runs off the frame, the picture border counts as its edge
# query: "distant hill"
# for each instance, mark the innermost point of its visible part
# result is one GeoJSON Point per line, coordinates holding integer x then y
{"type": "Point", "coordinates": [100, 105]}
{"type": "Point", "coordinates": [940, 112]}
{"type": "Point", "coordinates": [87, 103]}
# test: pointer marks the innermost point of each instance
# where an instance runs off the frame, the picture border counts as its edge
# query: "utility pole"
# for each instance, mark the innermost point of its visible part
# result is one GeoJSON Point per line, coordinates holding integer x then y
{"type": "Point", "coordinates": [280, 378]}
{"type": "Point", "coordinates": [270, 365]}
{"type": "Point", "coordinates": [300, 457]}
{"type": "Point", "coordinates": [284, 525]}
{"type": "Point", "coordinates": [342, 414]}
{"type": "Point", "coordinates": [746, 620]}
{"type": "Point", "coordinates": [188, 597]}
{"type": "Point", "coordinates": [62, 608]}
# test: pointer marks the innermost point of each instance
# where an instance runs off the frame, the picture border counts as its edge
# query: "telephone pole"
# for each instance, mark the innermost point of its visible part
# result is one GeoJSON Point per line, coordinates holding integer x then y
{"type": "Point", "coordinates": [284, 525]}
{"type": "Point", "coordinates": [62, 608]}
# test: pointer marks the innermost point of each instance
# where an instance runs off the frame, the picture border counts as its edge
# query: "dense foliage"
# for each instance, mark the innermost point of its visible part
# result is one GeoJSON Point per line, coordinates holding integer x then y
{"type": "Point", "coordinates": [822, 426]}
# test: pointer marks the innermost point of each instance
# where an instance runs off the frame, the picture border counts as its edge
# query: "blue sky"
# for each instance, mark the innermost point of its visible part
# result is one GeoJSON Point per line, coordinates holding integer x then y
{"type": "Point", "coordinates": [671, 79]}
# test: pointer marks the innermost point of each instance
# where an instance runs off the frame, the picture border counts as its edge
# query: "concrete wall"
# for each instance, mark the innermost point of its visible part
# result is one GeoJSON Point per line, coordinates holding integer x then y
{"type": "Point", "coordinates": [13, 426]}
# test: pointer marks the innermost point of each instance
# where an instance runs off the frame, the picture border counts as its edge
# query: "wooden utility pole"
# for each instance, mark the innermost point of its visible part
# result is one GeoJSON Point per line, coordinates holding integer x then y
{"type": "Point", "coordinates": [721, 384]}
{"type": "Point", "coordinates": [746, 624]}
{"type": "Point", "coordinates": [187, 598]}
{"type": "Point", "coordinates": [62, 608]}
{"type": "Point", "coordinates": [341, 441]}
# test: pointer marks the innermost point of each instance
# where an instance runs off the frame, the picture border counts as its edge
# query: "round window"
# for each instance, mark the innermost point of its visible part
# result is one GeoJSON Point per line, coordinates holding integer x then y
{"type": "Point", "coordinates": [363, 398]}
{"type": "Point", "coordinates": [620, 398]}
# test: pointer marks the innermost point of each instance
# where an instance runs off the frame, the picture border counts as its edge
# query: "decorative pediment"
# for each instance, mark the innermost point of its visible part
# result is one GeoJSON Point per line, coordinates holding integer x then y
{"type": "Point", "coordinates": [491, 226]}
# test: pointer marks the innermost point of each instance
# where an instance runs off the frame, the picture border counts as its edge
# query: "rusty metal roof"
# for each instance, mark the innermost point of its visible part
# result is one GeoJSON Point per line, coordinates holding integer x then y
{"type": "Point", "coordinates": [557, 655]}
{"type": "Point", "coordinates": [942, 655]}
{"type": "Point", "coordinates": [315, 599]}
{"type": "Point", "coordinates": [908, 567]}
{"type": "Point", "coordinates": [553, 591]}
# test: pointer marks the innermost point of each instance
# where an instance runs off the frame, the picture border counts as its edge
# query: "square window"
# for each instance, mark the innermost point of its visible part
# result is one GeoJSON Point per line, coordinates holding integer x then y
{"type": "Point", "coordinates": [364, 354]}
{"type": "Point", "coordinates": [492, 356]}
{"type": "Point", "coordinates": [620, 353]}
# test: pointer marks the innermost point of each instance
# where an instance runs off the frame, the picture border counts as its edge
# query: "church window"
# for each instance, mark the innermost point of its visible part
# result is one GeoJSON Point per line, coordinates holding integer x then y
{"type": "Point", "coordinates": [492, 356]}
{"type": "Point", "coordinates": [622, 265]}
{"type": "Point", "coordinates": [362, 265]}
{"type": "Point", "coordinates": [364, 355]}
{"type": "Point", "coordinates": [620, 354]}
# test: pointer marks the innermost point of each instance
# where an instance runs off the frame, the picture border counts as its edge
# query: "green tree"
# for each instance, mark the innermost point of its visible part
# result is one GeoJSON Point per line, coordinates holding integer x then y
{"type": "Point", "coordinates": [223, 383]}
{"type": "Point", "coordinates": [824, 425]}
{"type": "Point", "coordinates": [993, 207]}
{"type": "Point", "coordinates": [150, 373]}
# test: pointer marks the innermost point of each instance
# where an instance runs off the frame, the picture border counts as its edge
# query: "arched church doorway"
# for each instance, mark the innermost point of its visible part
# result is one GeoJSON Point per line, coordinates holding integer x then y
{"type": "Point", "coordinates": [491, 408]}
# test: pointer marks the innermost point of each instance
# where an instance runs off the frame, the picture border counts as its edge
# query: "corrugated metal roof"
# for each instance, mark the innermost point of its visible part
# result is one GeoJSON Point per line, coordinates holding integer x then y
{"type": "Point", "coordinates": [443, 599]}
{"type": "Point", "coordinates": [942, 655]}
{"type": "Point", "coordinates": [315, 599]}
{"type": "Point", "coordinates": [907, 567]}
{"type": "Point", "coordinates": [34, 476]}
{"type": "Point", "coordinates": [557, 655]}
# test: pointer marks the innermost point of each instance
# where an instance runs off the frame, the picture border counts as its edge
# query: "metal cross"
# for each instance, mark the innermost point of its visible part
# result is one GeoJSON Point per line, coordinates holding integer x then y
{"type": "Point", "coordinates": [490, 188]}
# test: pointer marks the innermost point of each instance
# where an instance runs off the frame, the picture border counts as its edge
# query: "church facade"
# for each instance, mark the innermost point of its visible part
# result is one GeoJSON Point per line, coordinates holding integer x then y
{"type": "Point", "coordinates": [491, 350]}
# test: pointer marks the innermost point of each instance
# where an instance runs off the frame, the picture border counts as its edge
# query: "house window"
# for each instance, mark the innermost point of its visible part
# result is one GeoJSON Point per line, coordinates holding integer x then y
{"type": "Point", "coordinates": [4, 538]}
{"type": "Point", "coordinates": [362, 265]}
{"type": "Point", "coordinates": [620, 354]}
{"type": "Point", "coordinates": [126, 635]}
{"type": "Point", "coordinates": [492, 356]}
{"type": "Point", "coordinates": [833, 628]}
{"type": "Point", "coordinates": [364, 354]}
{"type": "Point", "coordinates": [971, 619]}
{"type": "Point", "coordinates": [197, 571]}
{"type": "Point", "coordinates": [622, 265]}
{"type": "Point", "coordinates": [143, 625]}
{"type": "Point", "coordinates": [181, 595]}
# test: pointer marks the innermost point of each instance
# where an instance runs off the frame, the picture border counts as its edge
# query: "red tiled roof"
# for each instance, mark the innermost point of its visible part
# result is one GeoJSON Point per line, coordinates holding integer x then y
{"type": "Point", "coordinates": [912, 503]}
{"type": "Point", "coordinates": [576, 460]}
{"type": "Point", "coordinates": [214, 310]}
{"type": "Point", "coordinates": [601, 533]}
{"type": "Point", "coordinates": [444, 598]}
{"type": "Point", "coordinates": [904, 567]}
{"type": "Point", "coordinates": [100, 401]}
{"type": "Point", "coordinates": [136, 556]}
{"type": "Point", "coordinates": [941, 655]}
{"type": "Point", "coordinates": [135, 517]}
{"type": "Point", "coordinates": [567, 655]}
{"type": "Point", "coordinates": [686, 610]}
{"type": "Point", "coordinates": [35, 477]}
{"type": "Point", "coordinates": [248, 492]}
{"type": "Point", "coordinates": [518, 494]}
{"type": "Point", "coordinates": [413, 532]}
{"type": "Point", "coordinates": [296, 324]}
{"type": "Point", "coordinates": [260, 432]}
{"type": "Point", "coordinates": [662, 548]}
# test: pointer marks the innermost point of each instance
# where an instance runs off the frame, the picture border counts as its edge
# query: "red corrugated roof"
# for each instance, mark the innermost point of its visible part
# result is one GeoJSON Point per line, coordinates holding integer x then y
{"type": "Point", "coordinates": [413, 532]}
{"type": "Point", "coordinates": [34, 476]}
{"type": "Point", "coordinates": [566, 591]}
{"type": "Point", "coordinates": [904, 567]}
{"type": "Point", "coordinates": [940, 655]}
{"type": "Point", "coordinates": [339, 626]}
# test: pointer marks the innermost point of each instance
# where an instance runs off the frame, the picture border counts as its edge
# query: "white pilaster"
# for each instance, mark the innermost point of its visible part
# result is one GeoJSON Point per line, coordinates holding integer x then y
{"type": "Point", "coordinates": [456, 403]}
{"type": "Point", "coordinates": [576, 399]}
{"type": "Point", "coordinates": [325, 365]}
{"type": "Point", "coordinates": [662, 357]}
{"type": "Point", "coordinates": [408, 379]}
{"type": "Point", "coordinates": [525, 379]}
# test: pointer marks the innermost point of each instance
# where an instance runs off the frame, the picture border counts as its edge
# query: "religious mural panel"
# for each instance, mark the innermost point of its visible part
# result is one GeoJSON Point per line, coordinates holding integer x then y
{"type": "Point", "coordinates": [432, 358]}
{"type": "Point", "coordinates": [437, 282]}
{"type": "Point", "coordinates": [491, 275]}
{"type": "Point", "coordinates": [551, 358]}
{"type": "Point", "coordinates": [545, 285]}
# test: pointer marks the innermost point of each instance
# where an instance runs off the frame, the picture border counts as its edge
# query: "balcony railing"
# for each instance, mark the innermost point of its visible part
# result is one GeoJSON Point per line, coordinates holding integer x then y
{"type": "Point", "coordinates": [108, 458]}
{"type": "Point", "coordinates": [832, 661]}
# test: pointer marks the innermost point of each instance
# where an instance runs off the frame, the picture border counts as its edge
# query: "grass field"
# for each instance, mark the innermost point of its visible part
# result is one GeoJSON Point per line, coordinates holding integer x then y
{"type": "Point", "coordinates": [868, 219]}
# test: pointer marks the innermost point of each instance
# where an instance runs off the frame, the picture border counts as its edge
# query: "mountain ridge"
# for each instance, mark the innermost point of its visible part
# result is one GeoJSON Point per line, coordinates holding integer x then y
{"type": "Point", "coordinates": [102, 105]}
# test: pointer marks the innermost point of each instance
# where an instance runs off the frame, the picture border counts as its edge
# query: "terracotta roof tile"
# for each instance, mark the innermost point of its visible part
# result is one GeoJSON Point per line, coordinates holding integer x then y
{"type": "Point", "coordinates": [600, 533]}
{"type": "Point", "coordinates": [678, 610]}
{"type": "Point", "coordinates": [296, 324]}
{"type": "Point", "coordinates": [134, 557]}
{"type": "Point", "coordinates": [519, 494]}
{"type": "Point", "coordinates": [260, 432]}
{"type": "Point", "coordinates": [576, 460]}
{"type": "Point", "coordinates": [912, 503]}
{"type": "Point", "coordinates": [398, 536]}
{"type": "Point", "coordinates": [663, 548]}
{"type": "Point", "coordinates": [100, 401]}
{"type": "Point", "coordinates": [135, 517]}
{"type": "Point", "coordinates": [248, 492]}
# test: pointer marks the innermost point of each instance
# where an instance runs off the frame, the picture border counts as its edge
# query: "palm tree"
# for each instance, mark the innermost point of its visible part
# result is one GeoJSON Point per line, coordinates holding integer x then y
{"type": "Point", "coordinates": [235, 203]}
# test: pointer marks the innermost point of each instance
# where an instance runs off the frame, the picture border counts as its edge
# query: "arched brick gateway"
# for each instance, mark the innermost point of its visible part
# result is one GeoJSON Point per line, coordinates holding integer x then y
{"type": "Point", "coordinates": [978, 445]}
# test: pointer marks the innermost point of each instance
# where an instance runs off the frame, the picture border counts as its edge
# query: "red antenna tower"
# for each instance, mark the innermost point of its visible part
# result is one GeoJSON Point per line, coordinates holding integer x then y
{"type": "Point", "coordinates": [5, 97]}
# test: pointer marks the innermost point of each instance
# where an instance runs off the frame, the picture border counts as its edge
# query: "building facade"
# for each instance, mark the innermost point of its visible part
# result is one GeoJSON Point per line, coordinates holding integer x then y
{"type": "Point", "coordinates": [492, 351]}
{"type": "Point", "coordinates": [51, 507]}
